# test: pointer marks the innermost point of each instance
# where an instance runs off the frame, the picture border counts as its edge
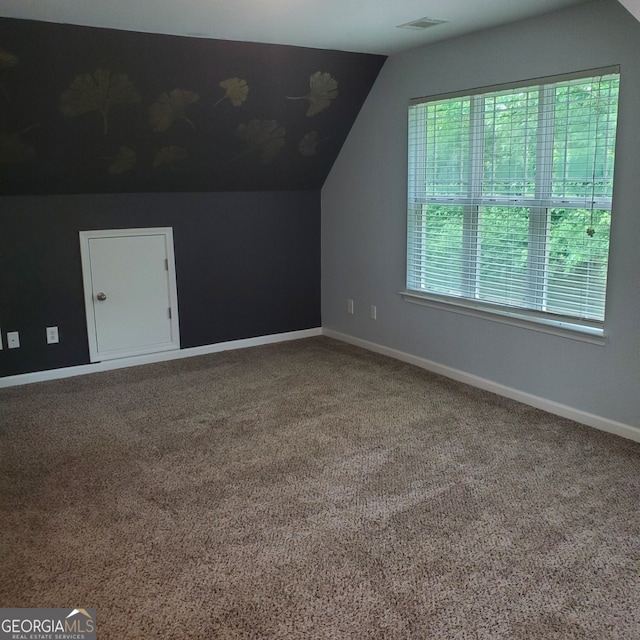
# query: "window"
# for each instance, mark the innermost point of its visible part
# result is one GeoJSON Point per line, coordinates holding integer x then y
{"type": "Point", "coordinates": [510, 199]}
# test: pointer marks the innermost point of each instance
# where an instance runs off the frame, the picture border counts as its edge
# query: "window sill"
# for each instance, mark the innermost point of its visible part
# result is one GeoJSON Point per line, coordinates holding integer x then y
{"type": "Point", "coordinates": [592, 335]}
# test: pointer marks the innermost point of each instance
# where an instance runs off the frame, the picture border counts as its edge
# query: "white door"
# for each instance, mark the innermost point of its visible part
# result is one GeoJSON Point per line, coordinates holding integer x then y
{"type": "Point", "coordinates": [130, 292]}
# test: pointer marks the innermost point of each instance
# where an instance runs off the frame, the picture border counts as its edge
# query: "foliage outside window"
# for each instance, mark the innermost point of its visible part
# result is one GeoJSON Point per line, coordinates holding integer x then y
{"type": "Point", "coordinates": [510, 198]}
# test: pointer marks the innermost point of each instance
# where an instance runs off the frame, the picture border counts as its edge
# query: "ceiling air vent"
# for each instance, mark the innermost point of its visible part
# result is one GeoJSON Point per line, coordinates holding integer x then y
{"type": "Point", "coordinates": [422, 23]}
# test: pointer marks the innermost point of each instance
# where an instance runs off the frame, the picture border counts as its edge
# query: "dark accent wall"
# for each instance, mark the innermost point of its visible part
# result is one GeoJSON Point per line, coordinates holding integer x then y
{"type": "Point", "coordinates": [248, 264]}
{"type": "Point", "coordinates": [229, 143]}
{"type": "Point", "coordinates": [87, 110]}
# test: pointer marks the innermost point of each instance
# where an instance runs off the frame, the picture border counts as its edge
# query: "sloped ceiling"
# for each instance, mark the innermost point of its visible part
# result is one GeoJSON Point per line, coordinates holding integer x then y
{"type": "Point", "coordinates": [366, 26]}
{"type": "Point", "coordinates": [88, 110]}
{"type": "Point", "coordinates": [632, 6]}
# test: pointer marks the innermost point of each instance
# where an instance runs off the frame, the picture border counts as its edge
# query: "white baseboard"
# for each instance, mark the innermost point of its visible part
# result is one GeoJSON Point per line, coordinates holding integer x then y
{"type": "Point", "coordinates": [589, 419]}
{"type": "Point", "coordinates": [108, 365]}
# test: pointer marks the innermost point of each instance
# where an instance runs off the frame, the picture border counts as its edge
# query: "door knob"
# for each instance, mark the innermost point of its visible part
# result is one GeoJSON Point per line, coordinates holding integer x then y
{"type": "Point", "coordinates": [101, 296]}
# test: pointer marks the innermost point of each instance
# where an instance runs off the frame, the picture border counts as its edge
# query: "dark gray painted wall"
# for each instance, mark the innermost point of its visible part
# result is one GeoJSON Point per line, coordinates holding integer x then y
{"type": "Point", "coordinates": [86, 110]}
{"type": "Point", "coordinates": [248, 264]}
{"type": "Point", "coordinates": [364, 216]}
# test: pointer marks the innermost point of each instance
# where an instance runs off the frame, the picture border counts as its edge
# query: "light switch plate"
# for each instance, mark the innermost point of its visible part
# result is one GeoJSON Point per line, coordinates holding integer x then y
{"type": "Point", "coordinates": [13, 339]}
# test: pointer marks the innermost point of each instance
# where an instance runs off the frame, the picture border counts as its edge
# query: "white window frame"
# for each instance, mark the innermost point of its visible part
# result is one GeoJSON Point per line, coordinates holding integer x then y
{"type": "Point", "coordinates": [539, 219]}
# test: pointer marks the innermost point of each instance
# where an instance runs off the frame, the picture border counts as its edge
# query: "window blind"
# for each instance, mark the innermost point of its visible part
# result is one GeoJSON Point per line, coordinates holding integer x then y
{"type": "Point", "coordinates": [510, 196]}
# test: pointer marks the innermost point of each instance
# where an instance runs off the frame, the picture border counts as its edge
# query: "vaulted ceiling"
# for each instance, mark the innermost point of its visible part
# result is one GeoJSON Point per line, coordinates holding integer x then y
{"type": "Point", "coordinates": [368, 26]}
{"type": "Point", "coordinates": [633, 6]}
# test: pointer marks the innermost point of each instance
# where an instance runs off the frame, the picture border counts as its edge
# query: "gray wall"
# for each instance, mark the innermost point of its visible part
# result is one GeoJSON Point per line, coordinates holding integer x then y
{"type": "Point", "coordinates": [364, 216]}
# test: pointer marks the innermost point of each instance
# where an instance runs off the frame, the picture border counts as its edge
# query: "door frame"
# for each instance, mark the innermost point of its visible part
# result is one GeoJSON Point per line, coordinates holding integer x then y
{"type": "Point", "coordinates": [85, 237]}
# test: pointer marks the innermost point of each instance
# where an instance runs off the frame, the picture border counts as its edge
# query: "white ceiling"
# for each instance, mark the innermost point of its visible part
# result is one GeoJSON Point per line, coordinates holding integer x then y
{"type": "Point", "coordinates": [369, 26]}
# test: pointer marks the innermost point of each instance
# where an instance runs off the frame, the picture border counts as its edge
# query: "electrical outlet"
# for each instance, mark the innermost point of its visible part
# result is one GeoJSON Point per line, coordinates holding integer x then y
{"type": "Point", "coordinates": [52, 335]}
{"type": "Point", "coordinates": [350, 305]}
{"type": "Point", "coordinates": [374, 312]}
{"type": "Point", "coordinates": [13, 339]}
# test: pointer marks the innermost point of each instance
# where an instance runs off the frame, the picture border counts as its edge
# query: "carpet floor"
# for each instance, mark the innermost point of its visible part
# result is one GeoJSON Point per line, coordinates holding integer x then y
{"type": "Point", "coordinates": [313, 490]}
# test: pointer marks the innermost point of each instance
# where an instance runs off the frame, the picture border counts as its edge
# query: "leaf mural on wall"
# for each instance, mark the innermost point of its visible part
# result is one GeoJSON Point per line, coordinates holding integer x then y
{"type": "Point", "coordinates": [171, 156]}
{"type": "Point", "coordinates": [123, 161]}
{"type": "Point", "coordinates": [99, 92]}
{"type": "Point", "coordinates": [170, 107]}
{"type": "Point", "coordinates": [323, 89]}
{"type": "Point", "coordinates": [7, 59]}
{"type": "Point", "coordinates": [236, 91]}
{"type": "Point", "coordinates": [266, 137]}
{"type": "Point", "coordinates": [108, 104]}
{"type": "Point", "coordinates": [308, 146]}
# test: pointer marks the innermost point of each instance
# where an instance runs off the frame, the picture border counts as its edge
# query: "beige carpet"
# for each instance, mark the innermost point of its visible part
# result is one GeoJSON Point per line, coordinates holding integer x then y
{"type": "Point", "coordinates": [313, 490]}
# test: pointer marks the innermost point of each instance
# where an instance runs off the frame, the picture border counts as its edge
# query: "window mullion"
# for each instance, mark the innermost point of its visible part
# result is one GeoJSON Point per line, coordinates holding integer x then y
{"type": "Point", "coordinates": [539, 215]}
{"type": "Point", "coordinates": [471, 233]}
{"type": "Point", "coordinates": [416, 189]}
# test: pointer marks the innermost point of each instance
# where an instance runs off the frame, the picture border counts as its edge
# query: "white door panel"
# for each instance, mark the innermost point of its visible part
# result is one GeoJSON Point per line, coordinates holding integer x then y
{"type": "Point", "coordinates": [129, 292]}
